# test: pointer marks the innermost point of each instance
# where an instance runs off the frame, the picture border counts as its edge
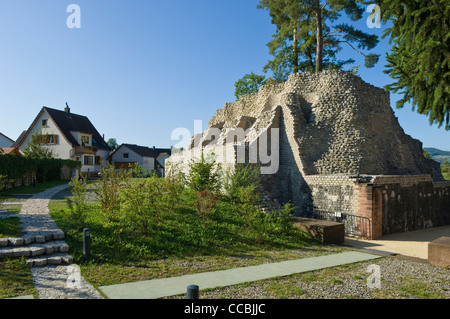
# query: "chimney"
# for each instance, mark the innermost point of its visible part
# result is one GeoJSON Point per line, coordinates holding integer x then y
{"type": "Point", "coordinates": [67, 108]}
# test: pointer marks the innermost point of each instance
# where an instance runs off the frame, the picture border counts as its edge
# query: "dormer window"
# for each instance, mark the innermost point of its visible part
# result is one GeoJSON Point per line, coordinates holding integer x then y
{"type": "Point", "coordinates": [85, 140]}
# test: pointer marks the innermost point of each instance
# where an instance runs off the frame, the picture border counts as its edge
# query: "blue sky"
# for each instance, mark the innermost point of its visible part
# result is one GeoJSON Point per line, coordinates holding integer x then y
{"type": "Point", "coordinates": [140, 69]}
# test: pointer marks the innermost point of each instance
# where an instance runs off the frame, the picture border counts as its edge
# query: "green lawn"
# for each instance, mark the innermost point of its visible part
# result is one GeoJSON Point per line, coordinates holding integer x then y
{"type": "Point", "coordinates": [40, 187]}
{"type": "Point", "coordinates": [10, 227]}
{"type": "Point", "coordinates": [15, 278]}
{"type": "Point", "coordinates": [180, 241]}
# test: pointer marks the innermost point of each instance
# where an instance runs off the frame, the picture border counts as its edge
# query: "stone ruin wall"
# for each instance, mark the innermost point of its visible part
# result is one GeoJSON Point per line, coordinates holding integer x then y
{"type": "Point", "coordinates": [336, 133]}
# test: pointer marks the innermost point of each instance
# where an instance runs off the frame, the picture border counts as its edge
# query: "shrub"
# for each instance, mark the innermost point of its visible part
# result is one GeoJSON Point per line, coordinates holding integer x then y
{"type": "Point", "coordinates": [107, 190]}
{"type": "Point", "coordinates": [242, 184]}
{"type": "Point", "coordinates": [47, 169]}
{"type": "Point", "coordinates": [204, 175]}
{"type": "Point", "coordinates": [241, 176]}
{"type": "Point", "coordinates": [205, 202]}
{"type": "Point", "coordinates": [174, 188]}
{"type": "Point", "coordinates": [142, 203]}
{"type": "Point", "coordinates": [78, 206]}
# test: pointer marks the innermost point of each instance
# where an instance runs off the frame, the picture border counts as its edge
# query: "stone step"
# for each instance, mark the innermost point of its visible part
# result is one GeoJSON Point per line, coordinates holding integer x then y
{"type": "Point", "coordinates": [41, 237]}
{"type": "Point", "coordinates": [53, 259]}
{"type": "Point", "coordinates": [33, 250]}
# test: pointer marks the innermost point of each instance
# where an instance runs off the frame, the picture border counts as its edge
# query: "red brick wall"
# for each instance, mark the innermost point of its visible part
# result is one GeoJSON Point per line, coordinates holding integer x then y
{"type": "Point", "coordinates": [369, 205]}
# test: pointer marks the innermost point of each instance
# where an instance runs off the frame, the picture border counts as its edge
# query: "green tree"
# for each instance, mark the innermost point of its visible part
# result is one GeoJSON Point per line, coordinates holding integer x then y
{"type": "Point", "coordinates": [250, 83]}
{"type": "Point", "coordinates": [306, 40]}
{"type": "Point", "coordinates": [35, 149]}
{"type": "Point", "coordinates": [420, 56]}
{"type": "Point", "coordinates": [112, 143]}
{"type": "Point", "coordinates": [445, 168]}
{"type": "Point", "coordinates": [204, 175]}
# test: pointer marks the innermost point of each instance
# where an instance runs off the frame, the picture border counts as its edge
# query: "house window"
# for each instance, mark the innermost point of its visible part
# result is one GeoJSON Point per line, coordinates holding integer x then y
{"type": "Point", "coordinates": [98, 160]}
{"type": "Point", "coordinates": [49, 139]}
{"type": "Point", "coordinates": [126, 155]}
{"type": "Point", "coordinates": [88, 160]}
{"type": "Point", "coordinates": [44, 122]}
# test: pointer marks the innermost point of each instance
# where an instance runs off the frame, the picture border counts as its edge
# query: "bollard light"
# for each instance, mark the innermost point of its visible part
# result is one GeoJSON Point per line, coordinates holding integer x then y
{"type": "Point", "coordinates": [192, 292]}
{"type": "Point", "coordinates": [87, 243]}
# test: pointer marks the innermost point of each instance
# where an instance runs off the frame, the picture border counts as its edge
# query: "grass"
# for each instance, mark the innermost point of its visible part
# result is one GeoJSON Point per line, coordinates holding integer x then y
{"type": "Point", "coordinates": [180, 241]}
{"type": "Point", "coordinates": [15, 278]}
{"type": "Point", "coordinates": [21, 190]}
{"type": "Point", "coordinates": [10, 227]}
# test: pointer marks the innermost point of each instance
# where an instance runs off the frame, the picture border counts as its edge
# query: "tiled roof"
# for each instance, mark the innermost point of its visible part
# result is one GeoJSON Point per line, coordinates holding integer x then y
{"type": "Point", "coordinates": [147, 151]}
{"type": "Point", "coordinates": [66, 123]}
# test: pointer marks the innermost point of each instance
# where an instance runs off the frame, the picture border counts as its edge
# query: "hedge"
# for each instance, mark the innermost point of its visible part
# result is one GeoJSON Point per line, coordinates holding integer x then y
{"type": "Point", "coordinates": [47, 169]}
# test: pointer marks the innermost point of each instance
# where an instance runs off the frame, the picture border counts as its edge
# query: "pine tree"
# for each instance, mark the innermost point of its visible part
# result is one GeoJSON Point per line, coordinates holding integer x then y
{"type": "Point", "coordinates": [306, 40]}
{"type": "Point", "coordinates": [420, 56]}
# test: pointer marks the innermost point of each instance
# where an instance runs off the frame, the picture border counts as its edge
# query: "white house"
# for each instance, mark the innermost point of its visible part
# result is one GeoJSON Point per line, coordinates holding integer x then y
{"type": "Point", "coordinates": [151, 159]}
{"type": "Point", "coordinates": [5, 141]}
{"type": "Point", "coordinates": [68, 136]}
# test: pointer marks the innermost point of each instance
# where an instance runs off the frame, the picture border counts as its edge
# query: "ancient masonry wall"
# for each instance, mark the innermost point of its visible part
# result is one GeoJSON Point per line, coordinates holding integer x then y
{"type": "Point", "coordinates": [388, 204]}
{"type": "Point", "coordinates": [340, 150]}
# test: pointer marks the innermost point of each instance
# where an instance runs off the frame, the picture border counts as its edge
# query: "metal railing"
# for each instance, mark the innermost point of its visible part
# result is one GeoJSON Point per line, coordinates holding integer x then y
{"type": "Point", "coordinates": [355, 225]}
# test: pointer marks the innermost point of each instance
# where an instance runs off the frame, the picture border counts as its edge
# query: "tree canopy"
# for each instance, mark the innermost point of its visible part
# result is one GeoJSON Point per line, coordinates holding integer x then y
{"type": "Point", "coordinates": [250, 83]}
{"type": "Point", "coordinates": [112, 143]}
{"type": "Point", "coordinates": [306, 38]}
{"type": "Point", "coordinates": [420, 56]}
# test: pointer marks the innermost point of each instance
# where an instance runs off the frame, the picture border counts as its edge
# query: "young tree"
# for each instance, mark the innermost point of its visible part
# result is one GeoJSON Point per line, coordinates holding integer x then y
{"type": "Point", "coordinates": [306, 40]}
{"type": "Point", "coordinates": [419, 60]}
{"type": "Point", "coordinates": [35, 149]}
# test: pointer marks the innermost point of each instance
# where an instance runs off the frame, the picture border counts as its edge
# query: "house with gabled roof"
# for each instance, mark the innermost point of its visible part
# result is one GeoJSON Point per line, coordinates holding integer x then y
{"type": "Point", "coordinates": [68, 136]}
{"type": "Point", "coordinates": [151, 159]}
{"type": "Point", "coordinates": [5, 141]}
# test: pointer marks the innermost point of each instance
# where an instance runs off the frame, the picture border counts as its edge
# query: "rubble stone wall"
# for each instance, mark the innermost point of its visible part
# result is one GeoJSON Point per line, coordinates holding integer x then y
{"type": "Point", "coordinates": [332, 131]}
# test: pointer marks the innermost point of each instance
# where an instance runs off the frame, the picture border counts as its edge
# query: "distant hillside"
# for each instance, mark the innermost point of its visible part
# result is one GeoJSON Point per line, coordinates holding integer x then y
{"type": "Point", "coordinates": [438, 155]}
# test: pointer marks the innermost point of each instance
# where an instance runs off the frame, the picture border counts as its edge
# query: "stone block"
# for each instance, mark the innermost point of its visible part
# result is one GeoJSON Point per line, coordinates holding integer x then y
{"type": "Point", "coordinates": [40, 239]}
{"type": "Point", "coordinates": [439, 252]}
{"type": "Point", "coordinates": [16, 241]}
{"type": "Point", "coordinates": [3, 242]}
{"type": "Point", "coordinates": [326, 231]}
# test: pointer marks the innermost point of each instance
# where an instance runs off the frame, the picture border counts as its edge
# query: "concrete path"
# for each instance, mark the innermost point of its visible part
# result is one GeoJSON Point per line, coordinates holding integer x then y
{"type": "Point", "coordinates": [412, 244]}
{"type": "Point", "coordinates": [159, 288]}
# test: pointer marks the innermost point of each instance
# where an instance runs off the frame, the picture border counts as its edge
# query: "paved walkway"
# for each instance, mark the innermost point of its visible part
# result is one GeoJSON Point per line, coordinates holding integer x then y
{"type": "Point", "coordinates": [159, 288]}
{"type": "Point", "coordinates": [411, 244]}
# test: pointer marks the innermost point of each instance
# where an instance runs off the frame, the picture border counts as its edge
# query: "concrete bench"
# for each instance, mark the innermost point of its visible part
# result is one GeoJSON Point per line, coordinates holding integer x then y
{"type": "Point", "coordinates": [439, 252]}
{"type": "Point", "coordinates": [326, 231]}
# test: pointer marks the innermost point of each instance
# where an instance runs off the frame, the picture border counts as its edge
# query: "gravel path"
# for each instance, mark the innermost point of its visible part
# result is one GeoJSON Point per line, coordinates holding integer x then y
{"type": "Point", "coordinates": [52, 282]}
{"type": "Point", "coordinates": [399, 279]}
